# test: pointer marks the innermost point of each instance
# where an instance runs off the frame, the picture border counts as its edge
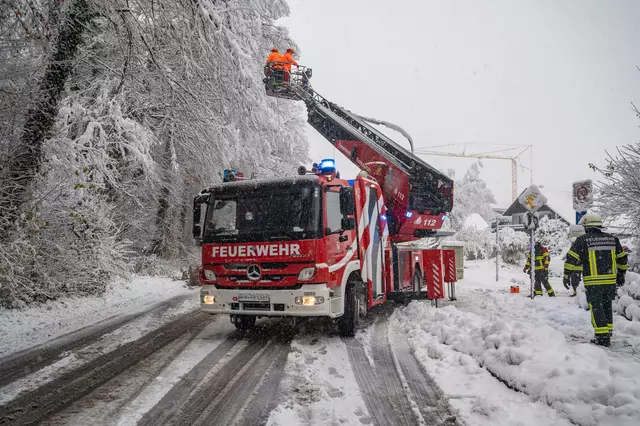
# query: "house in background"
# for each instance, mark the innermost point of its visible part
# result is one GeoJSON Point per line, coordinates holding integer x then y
{"type": "Point", "coordinates": [559, 206]}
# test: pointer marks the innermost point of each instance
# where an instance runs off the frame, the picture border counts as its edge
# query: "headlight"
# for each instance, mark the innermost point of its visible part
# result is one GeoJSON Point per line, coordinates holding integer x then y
{"type": "Point", "coordinates": [309, 300]}
{"type": "Point", "coordinates": [209, 275]}
{"type": "Point", "coordinates": [307, 273]}
{"type": "Point", "coordinates": [209, 300]}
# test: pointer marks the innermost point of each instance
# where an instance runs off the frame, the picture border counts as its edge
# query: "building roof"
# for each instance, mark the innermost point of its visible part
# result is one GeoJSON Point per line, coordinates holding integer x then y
{"type": "Point", "coordinates": [558, 202]}
{"type": "Point", "coordinates": [474, 220]}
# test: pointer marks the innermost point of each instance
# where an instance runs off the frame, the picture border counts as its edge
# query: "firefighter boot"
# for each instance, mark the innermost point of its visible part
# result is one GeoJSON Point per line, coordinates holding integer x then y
{"type": "Point", "coordinates": [602, 340]}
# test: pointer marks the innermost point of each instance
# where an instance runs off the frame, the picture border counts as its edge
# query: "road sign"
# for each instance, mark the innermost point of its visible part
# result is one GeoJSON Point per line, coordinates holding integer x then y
{"type": "Point", "coordinates": [532, 199]}
{"type": "Point", "coordinates": [579, 216]}
{"type": "Point", "coordinates": [582, 195]}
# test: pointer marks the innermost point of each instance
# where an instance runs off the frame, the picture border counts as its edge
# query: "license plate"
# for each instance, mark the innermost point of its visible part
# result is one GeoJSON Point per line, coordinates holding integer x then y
{"type": "Point", "coordinates": [253, 297]}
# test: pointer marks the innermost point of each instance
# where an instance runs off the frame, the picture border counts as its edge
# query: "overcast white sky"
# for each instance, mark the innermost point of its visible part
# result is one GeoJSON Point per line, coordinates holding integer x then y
{"type": "Point", "coordinates": [557, 74]}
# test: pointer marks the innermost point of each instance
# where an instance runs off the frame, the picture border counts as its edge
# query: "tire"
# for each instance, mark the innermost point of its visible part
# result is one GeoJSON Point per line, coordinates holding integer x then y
{"type": "Point", "coordinates": [245, 322]}
{"type": "Point", "coordinates": [349, 321]}
{"type": "Point", "coordinates": [417, 280]}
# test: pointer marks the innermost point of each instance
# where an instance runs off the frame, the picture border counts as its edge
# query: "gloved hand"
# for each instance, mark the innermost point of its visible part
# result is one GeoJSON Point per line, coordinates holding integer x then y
{"type": "Point", "coordinates": [525, 270]}
{"type": "Point", "coordinates": [620, 279]}
{"type": "Point", "coordinates": [565, 282]}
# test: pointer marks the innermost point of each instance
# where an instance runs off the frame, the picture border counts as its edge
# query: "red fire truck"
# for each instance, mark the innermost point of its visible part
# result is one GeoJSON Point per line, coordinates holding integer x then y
{"type": "Point", "coordinates": [316, 244]}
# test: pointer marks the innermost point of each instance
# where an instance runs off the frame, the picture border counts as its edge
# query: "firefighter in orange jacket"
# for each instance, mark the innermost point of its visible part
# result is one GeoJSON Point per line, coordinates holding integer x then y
{"type": "Point", "coordinates": [541, 269]}
{"type": "Point", "coordinates": [288, 61]}
{"type": "Point", "coordinates": [274, 70]}
{"type": "Point", "coordinates": [275, 59]}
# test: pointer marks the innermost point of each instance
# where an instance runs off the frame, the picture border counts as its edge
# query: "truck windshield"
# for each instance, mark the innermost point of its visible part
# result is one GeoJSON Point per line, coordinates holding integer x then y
{"type": "Point", "coordinates": [263, 214]}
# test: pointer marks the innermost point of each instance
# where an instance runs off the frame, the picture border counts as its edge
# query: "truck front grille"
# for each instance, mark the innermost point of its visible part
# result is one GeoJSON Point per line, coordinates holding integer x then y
{"type": "Point", "coordinates": [256, 306]}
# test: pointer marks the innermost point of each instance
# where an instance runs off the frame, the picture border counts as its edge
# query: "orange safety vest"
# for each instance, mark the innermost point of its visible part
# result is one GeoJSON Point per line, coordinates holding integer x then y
{"type": "Point", "coordinates": [288, 61]}
{"type": "Point", "coordinates": [275, 60]}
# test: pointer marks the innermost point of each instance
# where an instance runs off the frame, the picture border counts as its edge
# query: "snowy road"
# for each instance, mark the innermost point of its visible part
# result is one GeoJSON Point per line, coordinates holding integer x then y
{"type": "Point", "coordinates": [491, 358]}
{"type": "Point", "coordinates": [196, 369]}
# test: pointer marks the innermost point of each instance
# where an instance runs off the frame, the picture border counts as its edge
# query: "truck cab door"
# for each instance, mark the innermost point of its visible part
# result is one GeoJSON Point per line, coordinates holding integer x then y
{"type": "Point", "coordinates": [335, 249]}
{"type": "Point", "coordinates": [372, 237]}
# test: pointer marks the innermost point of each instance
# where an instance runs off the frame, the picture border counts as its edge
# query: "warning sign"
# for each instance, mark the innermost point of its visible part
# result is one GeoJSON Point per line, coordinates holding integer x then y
{"type": "Point", "coordinates": [532, 199]}
{"type": "Point", "coordinates": [582, 195]}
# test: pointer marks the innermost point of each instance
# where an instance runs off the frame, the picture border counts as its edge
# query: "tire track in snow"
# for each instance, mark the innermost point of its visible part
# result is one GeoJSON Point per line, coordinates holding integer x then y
{"type": "Point", "coordinates": [223, 387]}
{"type": "Point", "coordinates": [28, 361]}
{"type": "Point", "coordinates": [374, 391]}
{"type": "Point", "coordinates": [121, 389]}
{"type": "Point", "coordinates": [386, 369]}
{"type": "Point", "coordinates": [54, 396]}
{"type": "Point", "coordinates": [426, 393]}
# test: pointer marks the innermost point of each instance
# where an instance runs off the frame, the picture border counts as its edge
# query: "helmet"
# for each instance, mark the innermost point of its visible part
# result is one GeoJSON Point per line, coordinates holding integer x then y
{"type": "Point", "coordinates": [290, 50]}
{"type": "Point", "coordinates": [274, 49]}
{"type": "Point", "coordinates": [592, 221]}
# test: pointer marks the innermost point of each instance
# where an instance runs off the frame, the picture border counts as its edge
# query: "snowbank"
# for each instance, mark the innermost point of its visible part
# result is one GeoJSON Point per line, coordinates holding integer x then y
{"type": "Point", "coordinates": [583, 382]}
{"type": "Point", "coordinates": [20, 329]}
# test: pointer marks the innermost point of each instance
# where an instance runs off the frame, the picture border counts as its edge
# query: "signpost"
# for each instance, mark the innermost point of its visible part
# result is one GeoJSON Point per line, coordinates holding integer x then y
{"type": "Point", "coordinates": [582, 195]}
{"type": "Point", "coordinates": [532, 200]}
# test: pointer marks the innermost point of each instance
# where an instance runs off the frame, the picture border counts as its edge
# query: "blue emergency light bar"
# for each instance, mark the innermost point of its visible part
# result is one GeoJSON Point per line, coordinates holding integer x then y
{"type": "Point", "coordinates": [328, 165]}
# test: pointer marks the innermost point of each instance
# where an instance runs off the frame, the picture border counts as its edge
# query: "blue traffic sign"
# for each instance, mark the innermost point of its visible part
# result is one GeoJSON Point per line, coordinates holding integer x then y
{"type": "Point", "coordinates": [579, 216]}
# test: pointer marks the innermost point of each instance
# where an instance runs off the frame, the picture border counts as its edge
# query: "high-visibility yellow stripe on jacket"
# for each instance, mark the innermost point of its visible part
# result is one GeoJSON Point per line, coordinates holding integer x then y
{"type": "Point", "coordinates": [598, 255]}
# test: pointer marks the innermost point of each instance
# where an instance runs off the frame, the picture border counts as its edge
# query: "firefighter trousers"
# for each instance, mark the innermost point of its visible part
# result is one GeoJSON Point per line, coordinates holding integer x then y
{"type": "Point", "coordinates": [542, 279]}
{"type": "Point", "coordinates": [600, 298]}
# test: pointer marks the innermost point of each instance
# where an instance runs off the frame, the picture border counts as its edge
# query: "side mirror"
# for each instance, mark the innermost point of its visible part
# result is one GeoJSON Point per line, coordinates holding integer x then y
{"type": "Point", "coordinates": [197, 231]}
{"type": "Point", "coordinates": [302, 170]}
{"type": "Point", "coordinates": [347, 201]}
{"type": "Point", "coordinates": [197, 211]}
{"type": "Point", "coordinates": [348, 223]}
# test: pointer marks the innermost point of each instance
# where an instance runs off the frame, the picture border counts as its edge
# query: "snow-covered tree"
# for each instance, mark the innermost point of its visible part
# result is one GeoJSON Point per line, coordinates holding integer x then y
{"type": "Point", "coordinates": [478, 243]}
{"type": "Point", "coordinates": [554, 235]}
{"type": "Point", "coordinates": [471, 196]}
{"type": "Point", "coordinates": [618, 194]}
{"type": "Point", "coordinates": [514, 245]}
{"type": "Point", "coordinates": [155, 99]}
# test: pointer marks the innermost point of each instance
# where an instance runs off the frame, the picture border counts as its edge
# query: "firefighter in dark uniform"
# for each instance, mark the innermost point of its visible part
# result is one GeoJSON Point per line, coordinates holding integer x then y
{"type": "Point", "coordinates": [603, 263]}
{"type": "Point", "coordinates": [541, 273]}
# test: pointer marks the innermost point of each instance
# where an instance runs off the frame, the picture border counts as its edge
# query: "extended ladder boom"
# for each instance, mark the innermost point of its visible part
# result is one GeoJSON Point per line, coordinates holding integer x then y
{"type": "Point", "coordinates": [417, 195]}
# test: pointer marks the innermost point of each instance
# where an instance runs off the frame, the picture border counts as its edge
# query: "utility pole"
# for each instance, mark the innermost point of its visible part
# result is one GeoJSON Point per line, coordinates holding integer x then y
{"type": "Point", "coordinates": [497, 248]}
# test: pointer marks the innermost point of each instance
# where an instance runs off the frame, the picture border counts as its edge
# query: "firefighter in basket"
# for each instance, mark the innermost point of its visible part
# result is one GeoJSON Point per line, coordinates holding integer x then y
{"type": "Point", "coordinates": [274, 70]}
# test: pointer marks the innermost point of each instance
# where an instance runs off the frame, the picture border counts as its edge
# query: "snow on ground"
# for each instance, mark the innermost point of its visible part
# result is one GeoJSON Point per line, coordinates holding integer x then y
{"type": "Point", "coordinates": [491, 339]}
{"type": "Point", "coordinates": [319, 387]}
{"type": "Point", "coordinates": [210, 337]}
{"type": "Point", "coordinates": [21, 329]}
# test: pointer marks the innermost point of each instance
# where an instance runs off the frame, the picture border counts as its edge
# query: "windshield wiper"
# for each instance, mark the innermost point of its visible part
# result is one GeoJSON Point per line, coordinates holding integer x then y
{"type": "Point", "coordinates": [284, 232]}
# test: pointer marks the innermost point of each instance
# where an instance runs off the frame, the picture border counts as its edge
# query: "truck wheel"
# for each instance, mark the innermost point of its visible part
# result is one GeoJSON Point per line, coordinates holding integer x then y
{"type": "Point", "coordinates": [348, 322]}
{"type": "Point", "coordinates": [244, 322]}
{"type": "Point", "coordinates": [417, 280]}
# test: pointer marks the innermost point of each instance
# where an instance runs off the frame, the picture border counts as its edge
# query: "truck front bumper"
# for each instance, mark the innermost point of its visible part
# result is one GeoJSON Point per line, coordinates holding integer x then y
{"type": "Point", "coordinates": [272, 303]}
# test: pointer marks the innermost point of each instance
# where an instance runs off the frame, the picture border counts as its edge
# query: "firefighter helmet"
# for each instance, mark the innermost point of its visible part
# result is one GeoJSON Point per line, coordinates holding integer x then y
{"type": "Point", "coordinates": [592, 221]}
{"type": "Point", "coordinates": [274, 49]}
